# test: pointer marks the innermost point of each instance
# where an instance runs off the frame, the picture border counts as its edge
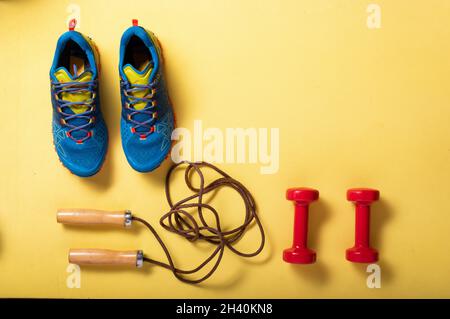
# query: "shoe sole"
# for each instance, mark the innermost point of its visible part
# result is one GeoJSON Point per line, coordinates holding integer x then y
{"type": "Point", "coordinates": [170, 101]}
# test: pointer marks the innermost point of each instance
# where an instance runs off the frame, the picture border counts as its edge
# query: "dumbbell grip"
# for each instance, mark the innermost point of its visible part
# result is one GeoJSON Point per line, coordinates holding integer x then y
{"type": "Point", "coordinates": [301, 225]}
{"type": "Point", "coordinates": [93, 217]}
{"type": "Point", "coordinates": [362, 225]}
{"type": "Point", "coordinates": [106, 257]}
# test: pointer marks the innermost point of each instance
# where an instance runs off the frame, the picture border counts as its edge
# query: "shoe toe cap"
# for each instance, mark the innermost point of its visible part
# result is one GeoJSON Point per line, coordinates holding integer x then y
{"type": "Point", "coordinates": [83, 159]}
{"type": "Point", "coordinates": [145, 155]}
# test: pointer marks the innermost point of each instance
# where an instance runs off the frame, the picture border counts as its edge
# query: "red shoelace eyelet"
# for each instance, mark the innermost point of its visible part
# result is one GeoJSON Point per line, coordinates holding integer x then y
{"type": "Point", "coordinates": [89, 135]}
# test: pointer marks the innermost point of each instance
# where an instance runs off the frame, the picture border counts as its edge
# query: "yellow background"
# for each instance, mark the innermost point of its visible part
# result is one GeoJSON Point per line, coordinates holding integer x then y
{"type": "Point", "coordinates": [355, 107]}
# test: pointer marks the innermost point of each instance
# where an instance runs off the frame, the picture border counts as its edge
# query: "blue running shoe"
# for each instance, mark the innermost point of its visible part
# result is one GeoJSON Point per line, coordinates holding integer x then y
{"type": "Point", "coordinates": [147, 117]}
{"type": "Point", "coordinates": [80, 135]}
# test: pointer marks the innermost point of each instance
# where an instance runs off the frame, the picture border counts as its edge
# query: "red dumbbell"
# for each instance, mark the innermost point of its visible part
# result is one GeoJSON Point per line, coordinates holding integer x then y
{"type": "Point", "coordinates": [362, 252]}
{"type": "Point", "coordinates": [299, 253]}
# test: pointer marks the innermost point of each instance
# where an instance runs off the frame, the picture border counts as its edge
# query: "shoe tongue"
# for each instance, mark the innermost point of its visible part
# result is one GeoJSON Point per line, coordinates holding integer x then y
{"type": "Point", "coordinates": [141, 77]}
{"type": "Point", "coordinates": [63, 76]}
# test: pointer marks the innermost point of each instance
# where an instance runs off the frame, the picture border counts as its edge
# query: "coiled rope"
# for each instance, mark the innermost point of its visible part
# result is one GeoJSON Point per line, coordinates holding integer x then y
{"type": "Point", "coordinates": [179, 221]}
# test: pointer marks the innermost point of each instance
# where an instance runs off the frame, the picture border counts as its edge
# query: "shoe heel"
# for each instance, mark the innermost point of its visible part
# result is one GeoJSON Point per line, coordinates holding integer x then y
{"type": "Point", "coordinates": [96, 54]}
{"type": "Point", "coordinates": [157, 44]}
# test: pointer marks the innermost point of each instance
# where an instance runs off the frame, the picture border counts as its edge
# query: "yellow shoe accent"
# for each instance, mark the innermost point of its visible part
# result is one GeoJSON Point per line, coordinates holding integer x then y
{"type": "Point", "coordinates": [142, 79]}
{"type": "Point", "coordinates": [63, 77]}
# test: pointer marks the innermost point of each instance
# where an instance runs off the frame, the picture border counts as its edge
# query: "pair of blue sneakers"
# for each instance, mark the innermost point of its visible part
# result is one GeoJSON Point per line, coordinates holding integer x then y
{"type": "Point", "coordinates": [80, 135]}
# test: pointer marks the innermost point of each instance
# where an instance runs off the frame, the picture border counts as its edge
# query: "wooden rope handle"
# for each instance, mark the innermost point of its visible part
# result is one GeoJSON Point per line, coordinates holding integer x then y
{"type": "Point", "coordinates": [106, 257]}
{"type": "Point", "coordinates": [93, 217]}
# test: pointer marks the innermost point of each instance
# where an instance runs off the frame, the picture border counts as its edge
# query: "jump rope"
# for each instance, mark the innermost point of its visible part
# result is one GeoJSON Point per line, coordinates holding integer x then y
{"type": "Point", "coordinates": [177, 220]}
